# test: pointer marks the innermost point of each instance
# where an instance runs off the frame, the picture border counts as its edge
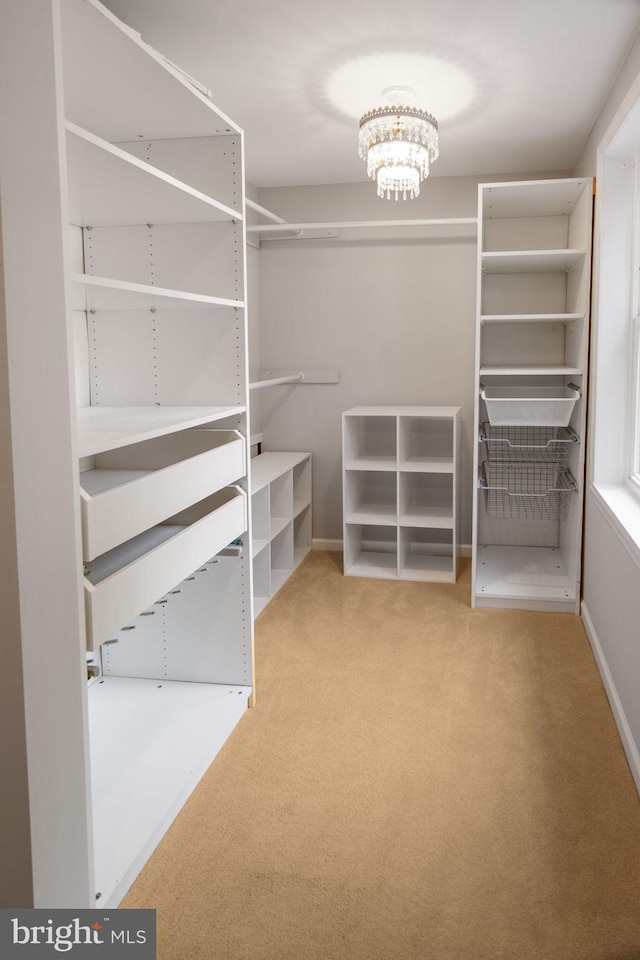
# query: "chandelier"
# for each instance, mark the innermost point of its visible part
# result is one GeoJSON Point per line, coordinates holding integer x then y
{"type": "Point", "coordinates": [398, 143]}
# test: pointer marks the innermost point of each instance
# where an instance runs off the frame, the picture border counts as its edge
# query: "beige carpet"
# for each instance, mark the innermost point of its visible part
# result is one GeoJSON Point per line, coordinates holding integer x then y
{"type": "Point", "coordinates": [418, 781]}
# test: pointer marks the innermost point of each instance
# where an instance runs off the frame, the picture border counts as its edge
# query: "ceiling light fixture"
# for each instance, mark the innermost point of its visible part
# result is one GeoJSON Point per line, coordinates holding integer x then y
{"type": "Point", "coordinates": [399, 142]}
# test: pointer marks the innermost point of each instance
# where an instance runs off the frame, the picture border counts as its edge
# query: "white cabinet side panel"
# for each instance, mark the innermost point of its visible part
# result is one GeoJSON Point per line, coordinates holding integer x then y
{"type": "Point", "coordinates": [34, 227]}
{"type": "Point", "coordinates": [199, 631]}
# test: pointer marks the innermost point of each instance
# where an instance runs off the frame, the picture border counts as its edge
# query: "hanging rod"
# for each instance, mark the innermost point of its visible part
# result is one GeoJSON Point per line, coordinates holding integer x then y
{"type": "Point", "coordinates": [263, 211]}
{"type": "Point", "coordinates": [338, 224]}
{"type": "Point", "coordinates": [259, 384]}
{"type": "Point", "coordinates": [268, 214]}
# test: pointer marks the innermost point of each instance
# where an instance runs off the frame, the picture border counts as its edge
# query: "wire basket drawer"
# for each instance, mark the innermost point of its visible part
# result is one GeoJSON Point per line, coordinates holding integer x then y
{"type": "Point", "coordinates": [530, 406]}
{"type": "Point", "coordinates": [527, 491]}
{"type": "Point", "coordinates": [528, 444]}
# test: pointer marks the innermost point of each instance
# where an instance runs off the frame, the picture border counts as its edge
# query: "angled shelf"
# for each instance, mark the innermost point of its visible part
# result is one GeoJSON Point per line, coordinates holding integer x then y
{"type": "Point", "coordinates": [107, 428]}
{"type": "Point", "coordinates": [155, 741]}
{"type": "Point", "coordinates": [122, 89]}
{"type": "Point", "coordinates": [109, 186]}
{"type": "Point", "coordinates": [104, 293]}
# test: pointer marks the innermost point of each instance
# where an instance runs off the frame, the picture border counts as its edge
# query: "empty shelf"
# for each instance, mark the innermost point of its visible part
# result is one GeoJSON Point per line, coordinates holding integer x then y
{"type": "Point", "coordinates": [105, 428]}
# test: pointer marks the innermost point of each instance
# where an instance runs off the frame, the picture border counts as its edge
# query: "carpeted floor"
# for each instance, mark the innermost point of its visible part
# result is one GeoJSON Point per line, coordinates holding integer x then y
{"type": "Point", "coordinates": [418, 781]}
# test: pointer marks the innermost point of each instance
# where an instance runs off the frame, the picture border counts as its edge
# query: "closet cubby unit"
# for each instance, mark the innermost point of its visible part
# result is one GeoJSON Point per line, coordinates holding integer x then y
{"type": "Point", "coordinates": [152, 274]}
{"type": "Point", "coordinates": [532, 330]}
{"type": "Point", "coordinates": [400, 492]}
{"type": "Point", "coordinates": [281, 520]}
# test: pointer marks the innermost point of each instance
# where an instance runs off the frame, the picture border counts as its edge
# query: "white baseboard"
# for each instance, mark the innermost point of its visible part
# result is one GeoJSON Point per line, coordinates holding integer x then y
{"type": "Point", "coordinates": [333, 545]}
{"type": "Point", "coordinates": [336, 545]}
{"type": "Point", "coordinates": [628, 742]}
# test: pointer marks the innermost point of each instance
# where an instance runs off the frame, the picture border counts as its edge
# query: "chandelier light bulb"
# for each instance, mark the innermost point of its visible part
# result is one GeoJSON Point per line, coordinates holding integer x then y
{"type": "Point", "coordinates": [398, 143]}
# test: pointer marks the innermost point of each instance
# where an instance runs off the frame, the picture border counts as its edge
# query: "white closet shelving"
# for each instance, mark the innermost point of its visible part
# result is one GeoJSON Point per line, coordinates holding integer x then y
{"type": "Point", "coordinates": [281, 520]}
{"type": "Point", "coordinates": [154, 267]}
{"type": "Point", "coordinates": [534, 258]}
{"type": "Point", "coordinates": [400, 492]}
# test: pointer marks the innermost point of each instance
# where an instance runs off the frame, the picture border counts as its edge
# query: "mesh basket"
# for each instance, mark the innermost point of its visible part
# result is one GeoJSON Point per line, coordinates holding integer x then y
{"type": "Point", "coordinates": [530, 406]}
{"type": "Point", "coordinates": [527, 491]}
{"type": "Point", "coordinates": [528, 444]}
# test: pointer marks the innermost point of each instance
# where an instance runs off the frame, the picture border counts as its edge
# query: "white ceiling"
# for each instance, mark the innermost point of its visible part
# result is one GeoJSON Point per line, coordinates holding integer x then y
{"type": "Point", "coordinates": [537, 73]}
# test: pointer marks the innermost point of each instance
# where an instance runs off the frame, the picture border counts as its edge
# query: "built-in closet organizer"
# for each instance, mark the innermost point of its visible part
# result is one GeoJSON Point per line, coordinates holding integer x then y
{"type": "Point", "coordinates": [281, 520]}
{"type": "Point", "coordinates": [155, 205]}
{"type": "Point", "coordinates": [400, 492]}
{"type": "Point", "coordinates": [534, 261]}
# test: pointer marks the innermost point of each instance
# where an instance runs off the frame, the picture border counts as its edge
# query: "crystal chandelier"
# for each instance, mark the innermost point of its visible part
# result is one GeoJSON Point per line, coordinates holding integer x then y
{"type": "Point", "coordinates": [398, 143]}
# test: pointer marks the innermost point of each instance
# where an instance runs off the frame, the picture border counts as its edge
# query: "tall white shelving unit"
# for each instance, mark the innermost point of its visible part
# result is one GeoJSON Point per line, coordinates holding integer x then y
{"type": "Point", "coordinates": [154, 278]}
{"type": "Point", "coordinates": [400, 492]}
{"type": "Point", "coordinates": [534, 260]}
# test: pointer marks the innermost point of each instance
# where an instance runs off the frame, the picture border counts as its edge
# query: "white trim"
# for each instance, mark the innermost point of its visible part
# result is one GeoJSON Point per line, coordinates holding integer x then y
{"type": "Point", "coordinates": [629, 744]}
{"type": "Point", "coordinates": [332, 545]}
{"type": "Point", "coordinates": [621, 509]}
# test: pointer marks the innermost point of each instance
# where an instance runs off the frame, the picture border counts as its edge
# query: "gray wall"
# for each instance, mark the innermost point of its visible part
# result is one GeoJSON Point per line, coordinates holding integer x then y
{"type": "Point", "coordinates": [396, 317]}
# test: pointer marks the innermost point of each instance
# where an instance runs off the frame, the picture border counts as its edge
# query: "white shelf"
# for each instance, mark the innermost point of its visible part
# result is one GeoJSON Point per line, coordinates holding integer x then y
{"type": "Point", "coordinates": [110, 187]}
{"type": "Point", "coordinates": [431, 413]}
{"type": "Point", "coordinates": [428, 568]}
{"type": "Point", "coordinates": [104, 293]}
{"type": "Point", "coordinates": [259, 603]}
{"type": "Point", "coordinates": [376, 513]}
{"type": "Point", "coordinates": [395, 521]}
{"type": "Point", "coordinates": [374, 564]}
{"type": "Point", "coordinates": [534, 370]}
{"type": "Point", "coordinates": [431, 517]}
{"type": "Point", "coordinates": [151, 742]}
{"type": "Point", "coordinates": [531, 261]}
{"type": "Point", "coordinates": [279, 578]}
{"type": "Point", "coordinates": [278, 524]}
{"type": "Point", "coordinates": [270, 465]}
{"type": "Point", "coordinates": [531, 317]}
{"type": "Point", "coordinates": [281, 509]}
{"type": "Point", "coordinates": [121, 88]}
{"type": "Point", "coordinates": [372, 463]}
{"type": "Point", "coordinates": [523, 573]}
{"type": "Point", "coordinates": [532, 198]}
{"type": "Point", "coordinates": [106, 428]}
{"type": "Point", "coordinates": [257, 546]}
{"type": "Point", "coordinates": [127, 145]}
{"type": "Point", "coordinates": [427, 465]}
{"type": "Point", "coordinates": [532, 348]}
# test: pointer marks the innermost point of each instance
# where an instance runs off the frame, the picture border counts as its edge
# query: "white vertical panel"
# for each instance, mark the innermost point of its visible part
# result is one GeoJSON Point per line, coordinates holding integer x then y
{"type": "Point", "coordinates": [200, 357]}
{"type": "Point", "coordinates": [34, 225]}
{"type": "Point", "coordinates": [198, 631]}
{"type": "Point", "coordinates": [203, 258]}
{"type": "Point", "coordinates": [210, 164]}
